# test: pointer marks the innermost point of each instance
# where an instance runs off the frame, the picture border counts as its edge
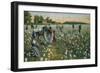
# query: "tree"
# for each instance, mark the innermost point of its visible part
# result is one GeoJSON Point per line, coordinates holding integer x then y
{"type": "Point", "coordinates": [36, 19]}
{"type": "Point", "coordinates": [47, 19]}
{"type": "Point", "coordinates": [41, 19]}
{"type": "Point", "coordinates": [27, 18]}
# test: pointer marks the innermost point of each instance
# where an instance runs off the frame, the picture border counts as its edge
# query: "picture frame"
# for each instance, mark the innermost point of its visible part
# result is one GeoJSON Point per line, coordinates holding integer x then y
{"type": "Point", "coordinates": [70, 33]}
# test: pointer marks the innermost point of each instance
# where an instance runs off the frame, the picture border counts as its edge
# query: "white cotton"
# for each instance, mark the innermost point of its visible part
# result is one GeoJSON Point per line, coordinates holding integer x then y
{"type": "Point", "coordinates": [66, 52]}
{"type": "Point", "coordinates": [39, 29]}
{"type": "Point", "coordinates": [62, 35]}
{"type": "Point", "coordinates": [41, 58]}
{"type": "Point", "coordinates": [34, 41]}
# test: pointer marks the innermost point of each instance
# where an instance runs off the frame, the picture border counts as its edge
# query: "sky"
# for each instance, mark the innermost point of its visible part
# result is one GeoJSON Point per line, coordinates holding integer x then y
{"type": "Point", "coordinates": [62, 17]}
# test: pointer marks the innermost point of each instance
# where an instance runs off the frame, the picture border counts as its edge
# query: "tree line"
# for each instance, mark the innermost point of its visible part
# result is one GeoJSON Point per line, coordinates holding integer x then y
{"type": "Point", "coordinates": [37, 19]}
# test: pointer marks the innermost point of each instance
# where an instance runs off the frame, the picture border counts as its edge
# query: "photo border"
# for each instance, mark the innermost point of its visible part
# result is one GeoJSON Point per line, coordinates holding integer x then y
{"type": "Point", "coordinates": [14, 35]}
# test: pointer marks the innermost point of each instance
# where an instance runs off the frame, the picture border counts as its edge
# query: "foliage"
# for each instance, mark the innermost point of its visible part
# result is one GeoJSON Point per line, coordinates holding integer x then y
{"type": "Point", "coordinates": [74, 23]}
{"type": "Point", "coordinates": [27, 18]}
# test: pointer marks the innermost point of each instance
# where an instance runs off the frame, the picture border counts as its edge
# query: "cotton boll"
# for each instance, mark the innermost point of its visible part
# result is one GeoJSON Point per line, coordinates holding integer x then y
{"type": "Point", "coordinates": [41, 59]}
{"type": "Point", "coordinates": [34, 41]}
{"type": "Point", "coordinates": [66, 52]}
